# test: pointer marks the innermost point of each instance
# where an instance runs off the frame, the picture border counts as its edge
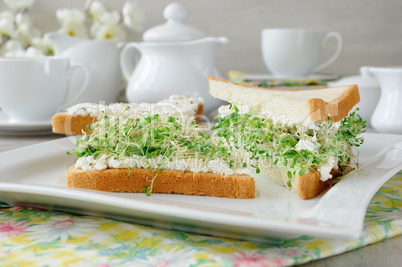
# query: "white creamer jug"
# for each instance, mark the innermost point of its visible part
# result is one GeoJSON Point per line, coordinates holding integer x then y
{"type": "Point", "coordinates": [387, 115]}
{"type": "Point", "coordinates": [173, 59]}
{"type": "Point", "coordinates": [369, 90]}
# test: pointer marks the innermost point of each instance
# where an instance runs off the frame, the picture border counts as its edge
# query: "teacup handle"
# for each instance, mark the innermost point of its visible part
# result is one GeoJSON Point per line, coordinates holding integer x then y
{"type": "Point", "coordinates": [84, 84]}
{"type": "Point", "coordinates": [126, 59]}
{"type": "Point", "coordinates": [338, 38]}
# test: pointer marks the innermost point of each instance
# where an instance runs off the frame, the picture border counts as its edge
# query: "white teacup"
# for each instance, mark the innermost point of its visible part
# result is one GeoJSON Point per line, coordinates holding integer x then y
{"type": "Point", "coordinates": [296, 52]}
{"type": "Point", "coordinates": [34, 89]}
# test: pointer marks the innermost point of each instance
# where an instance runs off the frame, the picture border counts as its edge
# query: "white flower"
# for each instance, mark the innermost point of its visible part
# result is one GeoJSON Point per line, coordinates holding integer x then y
{"type": "Point", "coordinates": [15, 49]}
{"type": "Point", "coordinates": [34, 52]}
{"type": "Point", "coordinates": [74, 29]}
{"type": "Point", "coordinates": [72, 22]}
{"type": "Point", "coordinates": [133, 16]}
{"type": "Point", "coordinates": [25, 33]}
{"type": "Point", "coordinates": [110, 17]}
{"type": "Point", "coordinates": [12, 48]}
{"type": "Point", "coordinates": [44, 44]}
{"type": "Point", "coordinates": [7, 27]}
{"type": "Point", "coordinates": [113, 32]}
{"type": "Point", "coordinates": [108, 27]}
{"type": "Point", "coordinates": [96, 10]}
{"type": "Point", "coordinates": [18, 5]}
{"type": "Point", "coordinates": [15, 53]}
{"type": "Point", "coordinates": [12, 45]}
{"type": "Point", "coordinates": [66, 15]}
{"type": "Point", "coordinates": [7, 15]}
{"type": "Point", "coordinates": [62, 227]}
{"type": "Point", "coordinates": [23, 19]}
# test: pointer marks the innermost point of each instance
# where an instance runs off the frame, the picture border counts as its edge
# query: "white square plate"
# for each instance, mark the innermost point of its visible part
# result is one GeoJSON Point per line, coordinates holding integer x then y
{"type": "Point", "coordinates": [35, 176]}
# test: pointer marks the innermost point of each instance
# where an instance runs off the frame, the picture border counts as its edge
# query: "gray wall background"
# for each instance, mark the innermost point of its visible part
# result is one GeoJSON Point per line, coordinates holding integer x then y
{"type": "Point", "coordinates": [371, 29]}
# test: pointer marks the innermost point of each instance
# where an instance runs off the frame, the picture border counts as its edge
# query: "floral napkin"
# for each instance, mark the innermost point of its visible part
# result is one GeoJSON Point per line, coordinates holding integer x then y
{"type": "Point", "coordinates": [32, 237]}
{"type": "Point", "coordinates": [241, 77]}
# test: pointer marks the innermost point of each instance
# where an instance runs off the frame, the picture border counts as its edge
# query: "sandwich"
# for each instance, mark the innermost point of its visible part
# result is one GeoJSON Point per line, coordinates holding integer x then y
{"type": "Point", "coordinates": [152, 152]}
{"type": "Point", "coordinates": [301, 139]}
{"type": "Point", "coordinates": [77, 118]}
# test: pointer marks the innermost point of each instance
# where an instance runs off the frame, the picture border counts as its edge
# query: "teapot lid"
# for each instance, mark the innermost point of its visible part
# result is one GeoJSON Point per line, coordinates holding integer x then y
{"type": "Point", "coordinates": [174, 29]}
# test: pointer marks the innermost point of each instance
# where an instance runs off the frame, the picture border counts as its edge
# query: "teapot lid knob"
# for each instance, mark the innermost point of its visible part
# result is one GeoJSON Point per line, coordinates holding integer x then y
{"type": "Point", "coordinates": [175, 12]}
{"type": "Point", "coordinates": [174, 29]}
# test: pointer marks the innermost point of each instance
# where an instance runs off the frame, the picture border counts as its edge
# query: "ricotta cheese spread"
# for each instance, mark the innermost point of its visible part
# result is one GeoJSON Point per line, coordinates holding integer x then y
{"type": "Point", "coordinates": [325, 169]}
{"type": "Point", "coordinates": [195, 165]}
{"type": "Point", "coordinates": [264, 113]}
{"type": "Point", "coordinates": [178, 106]}
{"type": "Point", "coordinates": [308, 145]}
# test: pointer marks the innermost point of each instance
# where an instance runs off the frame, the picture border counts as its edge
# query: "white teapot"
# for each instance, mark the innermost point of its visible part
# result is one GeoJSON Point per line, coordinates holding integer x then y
{"type": "Point", "coordinates": [101, 59]}
{"type": "Point", "coordinates": [174, 59]}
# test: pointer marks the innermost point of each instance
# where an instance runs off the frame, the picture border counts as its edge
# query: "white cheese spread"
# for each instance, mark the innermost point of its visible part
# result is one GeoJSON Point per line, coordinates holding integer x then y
{"type": "Point", "coordinates": [326, 168]}
{"type": "Point", "coordinates": [264, 113]}
{"type": "Point", "coordinates": [195, 165]}
{"type": "Point", "coordinates": [179, 106]}
{"type": "Point", "coordinates": [308, 145]}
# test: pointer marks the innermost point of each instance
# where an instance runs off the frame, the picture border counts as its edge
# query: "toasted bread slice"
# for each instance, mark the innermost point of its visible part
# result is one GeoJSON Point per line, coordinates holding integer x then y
{"type": "Point", "coordinates": [166, 181]}
{"type": "Point", "coordinates": [64, 123]}
{"type": "Point", "coordinates": [307, 105]}
{"type": "Point", "coordinates": [306, 186]}
{"type": "Point", "coordinates": [309, 185]}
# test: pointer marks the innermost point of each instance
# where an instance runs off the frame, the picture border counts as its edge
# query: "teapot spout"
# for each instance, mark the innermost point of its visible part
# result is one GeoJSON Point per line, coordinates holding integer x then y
{"type": "Point", "coordinates": [222, 40]}
{"type": "Point", "coordinates": [62, 42]}
{"type": "Point", "coordinates": [215, 40]}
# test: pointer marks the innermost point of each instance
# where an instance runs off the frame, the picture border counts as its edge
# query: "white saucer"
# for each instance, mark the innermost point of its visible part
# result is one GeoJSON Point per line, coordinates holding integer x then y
{"type": "Point", "coordinates": [23, 128]}
{"type": "Point", "coordinates": [317, 76]}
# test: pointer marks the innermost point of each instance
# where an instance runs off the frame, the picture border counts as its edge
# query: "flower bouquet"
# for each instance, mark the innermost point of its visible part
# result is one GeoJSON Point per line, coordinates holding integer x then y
{"type": "Point", "coordinates": [19, 37]}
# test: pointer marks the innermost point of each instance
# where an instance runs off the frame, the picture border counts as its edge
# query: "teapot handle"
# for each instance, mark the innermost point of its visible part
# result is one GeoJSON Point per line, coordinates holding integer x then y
{"type": "Point", "coordinates": [127, 63]}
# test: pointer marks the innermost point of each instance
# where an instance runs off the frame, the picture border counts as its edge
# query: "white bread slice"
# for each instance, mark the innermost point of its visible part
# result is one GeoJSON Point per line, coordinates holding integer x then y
{"type": "Point", "coordinates": [166, 181]}
{"type": "Point", "coordinates": [63, 123]}
{"type": "Point", "coordinates": [307, 105]}
{"type": "Point", "coordinates": [306, 186]}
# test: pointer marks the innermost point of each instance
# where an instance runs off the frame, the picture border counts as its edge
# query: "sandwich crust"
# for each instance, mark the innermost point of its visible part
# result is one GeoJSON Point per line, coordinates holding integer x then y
{"type": "Point", "coordinates": [337, 109]}
{"type": "Point", "coordinates": [63, 123]}
{"type": "Point", "coordinates": [166, 181]}
{"type": "Point", "coordinates": [309, 185]}
{"type": "Point", "coordinates": [313, 104]}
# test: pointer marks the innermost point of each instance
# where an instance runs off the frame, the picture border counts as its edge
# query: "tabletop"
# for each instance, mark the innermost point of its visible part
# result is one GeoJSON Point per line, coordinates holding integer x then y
{"type": "Point", "coordinates": [382, 253]}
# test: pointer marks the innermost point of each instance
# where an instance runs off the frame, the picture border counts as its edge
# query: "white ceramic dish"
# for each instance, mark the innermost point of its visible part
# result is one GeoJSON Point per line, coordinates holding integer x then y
{"type": "Point", "coordinates": [23, 128]}
{"type": "Point", "coordinates": [35, 176]}
{"type": "Point", "coordinates": [269, 77]}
